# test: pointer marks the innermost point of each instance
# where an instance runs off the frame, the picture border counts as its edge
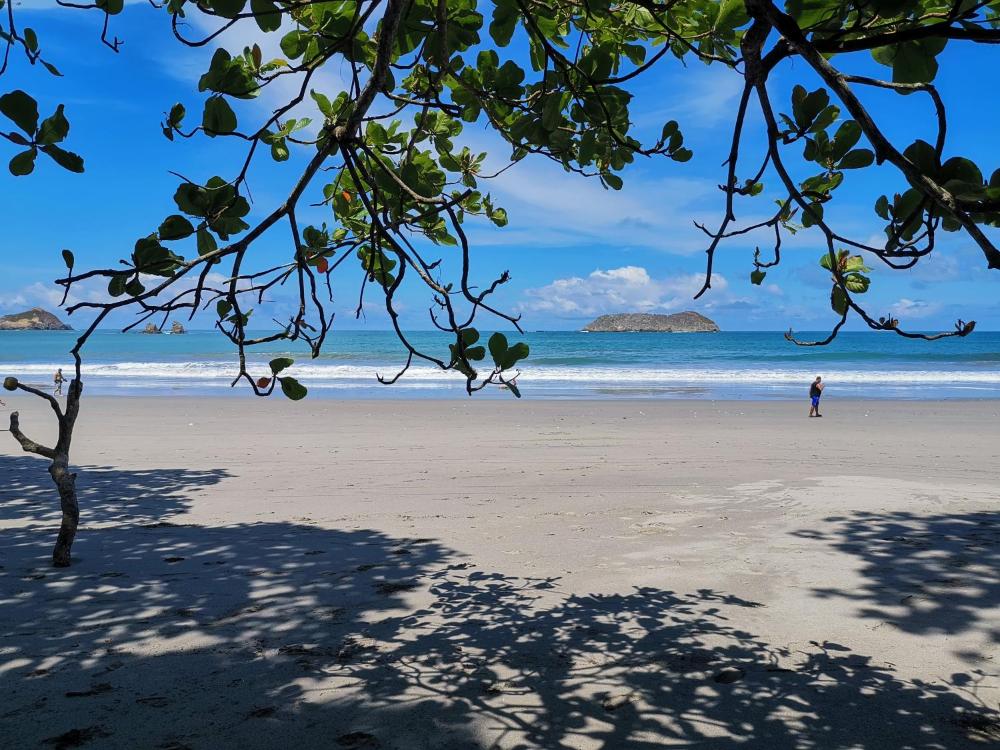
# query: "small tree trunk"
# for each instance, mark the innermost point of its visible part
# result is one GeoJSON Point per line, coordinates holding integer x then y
{"type": "Point", "coordinates": [64, 479]}
{"type": "Point", "coordinates": [66, 484]}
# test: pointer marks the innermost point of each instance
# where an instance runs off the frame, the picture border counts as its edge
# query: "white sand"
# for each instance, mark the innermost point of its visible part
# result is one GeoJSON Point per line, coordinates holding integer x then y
{"type": "Point", "coordinates": [523, 574]}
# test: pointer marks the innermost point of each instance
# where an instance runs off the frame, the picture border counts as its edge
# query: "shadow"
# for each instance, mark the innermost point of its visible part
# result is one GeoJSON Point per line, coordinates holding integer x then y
{"type": "Point", "coordinates": [105, 495]}
{"type": "Point", "coordinates": [925, 573]}
{"type": "Point", "coordinates": [280, 634]}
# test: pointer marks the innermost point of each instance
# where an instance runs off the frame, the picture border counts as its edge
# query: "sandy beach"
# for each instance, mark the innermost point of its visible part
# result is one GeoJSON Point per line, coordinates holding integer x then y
{"type": "Point", "coordinates": [523, 574]}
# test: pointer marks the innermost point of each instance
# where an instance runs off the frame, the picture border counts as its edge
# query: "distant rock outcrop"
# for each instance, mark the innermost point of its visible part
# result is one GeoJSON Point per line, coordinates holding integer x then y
{"type": "Point", "coordinates": [35, 319]}
{"type": "Point", "coordinates": [151, 328]}
{"type": "Point", "coordinates": [177, 327]}
{"type": "Point", "coordinates": [682, 322]}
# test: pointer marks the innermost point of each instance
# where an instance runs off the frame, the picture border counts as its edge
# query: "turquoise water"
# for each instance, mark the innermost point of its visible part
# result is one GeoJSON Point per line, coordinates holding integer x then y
{"type": "Point", "coordinates": [562, 365]}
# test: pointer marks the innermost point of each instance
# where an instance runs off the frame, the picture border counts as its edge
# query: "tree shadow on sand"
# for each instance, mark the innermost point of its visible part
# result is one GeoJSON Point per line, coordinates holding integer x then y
{"type": "Point", "coordinates": [925, 573]}
{"type": "Point", "coordinates": [279, 634]}
{"type": "Point", "coordinates": [106, 495]}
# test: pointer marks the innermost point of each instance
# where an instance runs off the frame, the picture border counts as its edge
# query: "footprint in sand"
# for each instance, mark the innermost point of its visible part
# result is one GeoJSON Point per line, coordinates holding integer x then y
{"type": "Point", "coordinates": [156, 701]}
{"type": "Point", "coordinates": [358, 741]}
{"type": "Point", "coordinates": [76, 737]}
{"type": "Point", "coordinates": [101, 687]}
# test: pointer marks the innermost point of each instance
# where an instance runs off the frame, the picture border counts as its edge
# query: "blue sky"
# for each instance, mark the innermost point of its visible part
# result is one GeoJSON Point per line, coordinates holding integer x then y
{"type": "Point", "coordinates": [574, 249]}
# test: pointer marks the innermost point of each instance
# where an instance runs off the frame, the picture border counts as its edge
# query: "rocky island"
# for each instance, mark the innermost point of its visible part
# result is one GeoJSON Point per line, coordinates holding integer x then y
{"type": "Point", "coordinates": [682, 322]}
{"type": "Point", "coordinates": [35, 319]}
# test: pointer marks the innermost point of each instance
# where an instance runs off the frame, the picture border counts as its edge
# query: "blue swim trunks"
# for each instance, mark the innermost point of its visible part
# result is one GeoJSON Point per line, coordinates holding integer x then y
{"type": "Point", "coordinates": [815, 400]}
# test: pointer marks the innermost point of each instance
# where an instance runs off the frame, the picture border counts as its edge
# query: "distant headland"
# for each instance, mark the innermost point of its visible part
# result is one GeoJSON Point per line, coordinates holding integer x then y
{"type": "Point", "coordinates": [682, 322]}
{"type": "Point", "coordinates": [35, 319]}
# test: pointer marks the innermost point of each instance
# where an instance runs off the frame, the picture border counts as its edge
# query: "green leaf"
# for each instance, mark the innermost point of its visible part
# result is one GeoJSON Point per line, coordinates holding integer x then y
{"type": "Point", "coordinates": [294, 43]}
{"type": "Point", "coordinates": [54, 129]}
{"type": "Point", "coordinates": [809, 13]}
{"type": "Point", "coordinates": [613, 181]}
{"type": "Point", "coordinates": [848, 134]}
{"type": "Point", "coordinates": [223, 308]}
{"type": "Point", "coordinates": [323, 102]}
{"type": "Point", "coordinates": [882, 207]}
{"type": "Point", "coordinates": [757, 276]}
{"type": "Point", "coordinates": [838, 301]}
{"type": "Point", "coordinates": [280, 363]}
{"type": "Point", "coordinates": [111, 7]}
{"type": "Point", "coordinates": [134, 288]}
{"type": "Point", "coordinates": [732, 14]}
{"type": "Point", "coordinates": [219, 118]}
{"type": "Point", "coordinates": [506, 356]}
{"type": "Point", "coordinates": [116, 287]}
{"type": "Point", "coordinates": [22, 109]}
{"type": "Point", "coordinates": [176, 116]}
{"type": "Point", "coordinates": [505, 18]}
{"type": "Point", "coordinates": [812, 214]}
{"type": "Point", "coordinates": [68, 259]}
{"type": "Point", "coordinates": [852, 263]}
{"type": "Point", "coordinates": [857, 159]}
{"type": "Point", "coordinates": [498, 347]}
{"type": "Point", "coordinates": [175, 228]}
{"type": "Point", "coordinates": [807, 107]}
{"type": "Point", "coordinates": [857, 283]}
{"type": "Point", "coordinates": [266, 14]}
{"type": "Point", "coordinates": [206, 242]}
{"type": "Point", "coordinates": [23, 163]}
{"type": "Point", "coordinates": [65, 159]}
{"type": "Point", "coordinates": [227, 8]}
{"type": "Point", "coordinates": [923, 156]}
{"type": "Point", "coordinates": [825, 119]}
{"type": "Point", "coordinates": [293, 388]}
{"type": "Point", "coordinates": [279, 150]}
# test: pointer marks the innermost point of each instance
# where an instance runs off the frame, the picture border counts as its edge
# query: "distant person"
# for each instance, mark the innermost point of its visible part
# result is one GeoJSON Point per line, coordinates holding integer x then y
{"type": "Point", "coordinates": [815, 391]}
{"type": "Point", "coordinates": [59, 379]}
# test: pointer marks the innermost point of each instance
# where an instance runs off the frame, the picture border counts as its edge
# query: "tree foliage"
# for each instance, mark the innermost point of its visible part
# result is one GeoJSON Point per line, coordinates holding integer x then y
{"type": "Point", "coordinates": [554, 79]}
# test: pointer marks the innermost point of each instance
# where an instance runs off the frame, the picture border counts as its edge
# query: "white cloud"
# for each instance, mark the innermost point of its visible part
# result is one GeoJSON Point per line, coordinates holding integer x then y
{"type": "Point", "coordinates": [616, 290]}
{"type": "Point", "coordinates": [914, 308]}
{"type": "Point", "coordinates": [550, 207]}
{"type": "Point", "coordinates": [37, 294]}
{"type": "Point", "coordinates": [702, 97]}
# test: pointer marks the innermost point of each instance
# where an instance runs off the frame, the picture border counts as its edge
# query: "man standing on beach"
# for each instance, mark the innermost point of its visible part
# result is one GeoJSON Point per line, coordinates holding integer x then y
{"type": "Point", "coordinates": [59, 379]}
{"type": "Point", "coordinates": [815, 391]}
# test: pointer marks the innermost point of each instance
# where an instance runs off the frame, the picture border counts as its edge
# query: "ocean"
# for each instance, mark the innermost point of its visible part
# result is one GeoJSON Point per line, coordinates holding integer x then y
{"type": "Point", "coordinates": [565, 364]}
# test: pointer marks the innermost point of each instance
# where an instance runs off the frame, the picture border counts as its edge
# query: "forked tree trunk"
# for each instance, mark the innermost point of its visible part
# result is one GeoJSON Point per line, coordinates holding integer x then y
{"type": "Point", "coordinates": [64, 479]}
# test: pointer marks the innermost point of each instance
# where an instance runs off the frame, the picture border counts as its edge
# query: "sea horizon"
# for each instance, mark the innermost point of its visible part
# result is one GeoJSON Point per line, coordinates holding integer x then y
{"type": "Point", "coordinates": [751, 365]}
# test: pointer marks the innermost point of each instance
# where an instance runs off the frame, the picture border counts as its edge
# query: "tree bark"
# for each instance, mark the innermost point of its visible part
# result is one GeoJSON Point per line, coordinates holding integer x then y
{"type": "Point", "coordinates": [64, 479]}
{"type": "Point", "coordinates": [66, 485]}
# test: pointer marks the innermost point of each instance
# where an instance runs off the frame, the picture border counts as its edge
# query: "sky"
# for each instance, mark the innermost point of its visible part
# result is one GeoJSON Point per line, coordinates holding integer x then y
{"type": "Point", "coordinates": [574, 249]}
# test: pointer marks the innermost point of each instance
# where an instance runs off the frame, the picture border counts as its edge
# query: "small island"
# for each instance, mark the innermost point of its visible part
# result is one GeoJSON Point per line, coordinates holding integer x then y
{"type": "Point", "coordinates": [35, 319]}
{"type": "Point", "coordinates": [682, 322]}
{"type": "Point", "coordinates": [177, 327]}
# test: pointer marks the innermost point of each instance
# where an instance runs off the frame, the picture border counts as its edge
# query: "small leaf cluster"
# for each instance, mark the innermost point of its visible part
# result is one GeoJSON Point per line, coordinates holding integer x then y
{"type": "Point", "coordinates": [812, 117]}
{"type": "Point", "coordinates": [22, 110]}
{"type": "Point", "coordinates": [850, 273]}
{"type": "Point", "coordinates": [292, 388]}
